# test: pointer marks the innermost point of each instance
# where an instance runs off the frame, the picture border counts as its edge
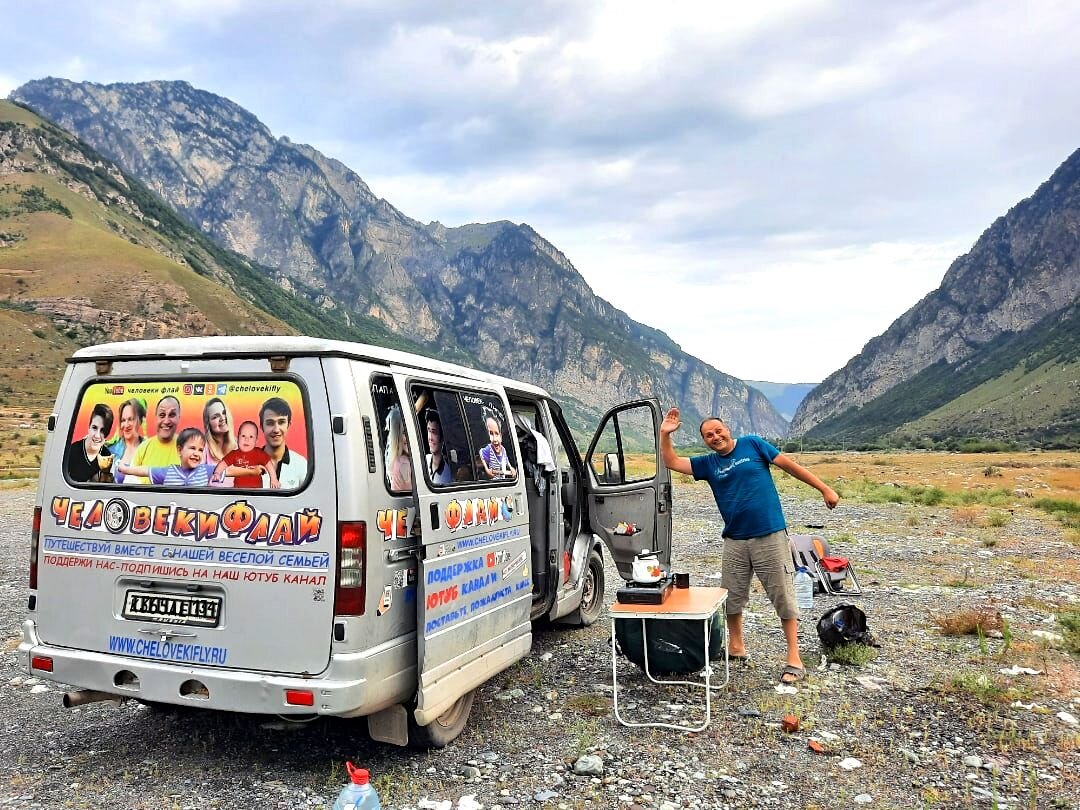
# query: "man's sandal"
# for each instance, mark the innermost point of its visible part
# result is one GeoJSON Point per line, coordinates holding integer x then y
{"type": "Point", "coordinates": [791, 674]}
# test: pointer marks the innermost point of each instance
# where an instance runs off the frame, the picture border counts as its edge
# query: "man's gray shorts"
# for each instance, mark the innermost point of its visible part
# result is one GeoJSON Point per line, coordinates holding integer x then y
{"type": "Point", "coordinates": [768, 556]}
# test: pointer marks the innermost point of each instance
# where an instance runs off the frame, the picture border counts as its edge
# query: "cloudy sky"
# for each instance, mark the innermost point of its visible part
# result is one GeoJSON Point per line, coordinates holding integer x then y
{"type": "Point", "coordinates": [770, 183]}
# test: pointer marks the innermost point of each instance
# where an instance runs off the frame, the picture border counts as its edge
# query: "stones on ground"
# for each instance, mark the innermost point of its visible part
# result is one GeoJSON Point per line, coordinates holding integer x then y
{"type": "Point", "coordinates": [1067, 718]}
{"type": "Point", "coordinates": [850, 763]}
{"type": "Point", "coordinates": [589, 765]}
{"type": "Point", "coordinates": [749, 711]}
{"type": "Point", "coordinates": [863, 798]}
{"type": "Point", "coordinates": [546, 795]}
{"type": "Point", "coordinates": [973, 761]}
{"type": "Point", "coordinates": [470, 772]}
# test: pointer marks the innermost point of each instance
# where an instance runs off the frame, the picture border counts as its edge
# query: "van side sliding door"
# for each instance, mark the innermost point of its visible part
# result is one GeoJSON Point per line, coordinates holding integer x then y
{"type": "Point", "coordinates": [628, 488]}
{"type": "Point", "coordinates": [474, 587]}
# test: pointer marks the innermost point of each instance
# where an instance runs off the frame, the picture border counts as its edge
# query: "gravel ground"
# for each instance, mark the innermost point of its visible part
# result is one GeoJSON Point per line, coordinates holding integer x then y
{"type": "Point", "coordinates": [930, 722]}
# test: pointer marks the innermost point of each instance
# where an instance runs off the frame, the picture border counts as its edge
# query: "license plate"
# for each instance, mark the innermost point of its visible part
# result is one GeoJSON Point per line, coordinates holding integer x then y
{"type": "Point", "coordinates": [173, 608]}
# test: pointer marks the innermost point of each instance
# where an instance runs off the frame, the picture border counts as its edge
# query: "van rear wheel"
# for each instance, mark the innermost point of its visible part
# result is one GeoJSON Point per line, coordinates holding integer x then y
{"type": "Point", "coordinates": [592, 595]}
{"type": "Point", "coordinates": [445, 728]}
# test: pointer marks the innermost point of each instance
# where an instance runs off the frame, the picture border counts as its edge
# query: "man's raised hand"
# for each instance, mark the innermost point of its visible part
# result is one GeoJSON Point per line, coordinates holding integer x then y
{"type": "Point", "coordinates": [671, 422]}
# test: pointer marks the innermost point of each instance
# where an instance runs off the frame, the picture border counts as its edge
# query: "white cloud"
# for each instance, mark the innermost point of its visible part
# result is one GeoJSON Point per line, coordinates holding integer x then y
{"type": "Point", "coordinates": [817, 162]}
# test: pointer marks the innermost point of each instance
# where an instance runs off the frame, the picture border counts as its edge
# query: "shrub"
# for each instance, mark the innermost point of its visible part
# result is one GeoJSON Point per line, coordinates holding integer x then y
{"type": "Point", "coordinates": [971, 622]}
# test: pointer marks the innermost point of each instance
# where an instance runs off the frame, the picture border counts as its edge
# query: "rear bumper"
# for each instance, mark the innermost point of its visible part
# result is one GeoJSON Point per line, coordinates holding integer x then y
{"type": "Point", "coordinates": [354, 684]}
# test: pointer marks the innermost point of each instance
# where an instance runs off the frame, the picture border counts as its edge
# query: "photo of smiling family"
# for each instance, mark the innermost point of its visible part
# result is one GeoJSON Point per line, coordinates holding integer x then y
{"type": "Point", "coordinates": [250, 435]}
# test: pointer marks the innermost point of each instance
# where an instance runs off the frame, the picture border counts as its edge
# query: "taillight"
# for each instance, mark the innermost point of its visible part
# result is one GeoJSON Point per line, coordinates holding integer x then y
{"type": "Point", "coordinates": [41, 662]}
{"type": "Point", "coordinates": [351, 576]}
{"type": "Point", "coordinates": [35, 538]}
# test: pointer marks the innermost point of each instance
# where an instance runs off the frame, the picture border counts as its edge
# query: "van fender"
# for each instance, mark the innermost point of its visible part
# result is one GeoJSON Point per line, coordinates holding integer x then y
{"type": "Point", "coordinates": [569, 596]}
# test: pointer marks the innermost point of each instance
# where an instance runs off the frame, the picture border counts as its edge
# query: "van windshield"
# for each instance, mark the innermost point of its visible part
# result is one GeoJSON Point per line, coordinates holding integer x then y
{"type": "Point", "coordinates": [237, 434]}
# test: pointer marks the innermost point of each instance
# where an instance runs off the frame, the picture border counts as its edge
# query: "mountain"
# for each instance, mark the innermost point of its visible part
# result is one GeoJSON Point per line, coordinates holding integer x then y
{"type": "Point", "coordinates": [968, 356]}
{"type": "Point", "coordinates": [785, 397]}
{"type": "Point", "coordinates": [88, 254]}
{"type": "Point", "coordinates": [496, 294]}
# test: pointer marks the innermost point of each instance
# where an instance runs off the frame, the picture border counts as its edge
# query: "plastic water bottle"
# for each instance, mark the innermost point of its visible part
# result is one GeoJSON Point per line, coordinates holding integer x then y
{"type": "Point", "coordinates": [358, 794]}
{"type": "Point", "coordinates": [804, 588]}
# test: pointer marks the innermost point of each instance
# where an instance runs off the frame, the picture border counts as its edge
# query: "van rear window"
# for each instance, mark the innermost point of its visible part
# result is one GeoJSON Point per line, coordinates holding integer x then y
{"type": "Point", "coordinates": [241, 434]}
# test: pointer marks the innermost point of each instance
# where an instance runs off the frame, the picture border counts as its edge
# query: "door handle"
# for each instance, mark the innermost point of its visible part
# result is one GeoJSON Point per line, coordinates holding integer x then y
{"type": "Point", "coordinates": [399, 554]}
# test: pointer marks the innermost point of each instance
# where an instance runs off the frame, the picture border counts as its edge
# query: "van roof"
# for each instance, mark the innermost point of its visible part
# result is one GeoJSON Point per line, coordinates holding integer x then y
{"type": "Point", "coordinates": [287, 345]}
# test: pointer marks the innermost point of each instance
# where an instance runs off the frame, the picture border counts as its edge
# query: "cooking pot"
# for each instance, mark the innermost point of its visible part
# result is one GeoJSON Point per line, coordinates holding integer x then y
{"type": "Point", "coordinates": [646, 567]}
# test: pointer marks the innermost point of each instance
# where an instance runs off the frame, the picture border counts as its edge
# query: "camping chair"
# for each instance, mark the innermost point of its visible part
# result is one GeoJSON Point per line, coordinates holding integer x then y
{"type": "Point", "coordinates": [832, 575]}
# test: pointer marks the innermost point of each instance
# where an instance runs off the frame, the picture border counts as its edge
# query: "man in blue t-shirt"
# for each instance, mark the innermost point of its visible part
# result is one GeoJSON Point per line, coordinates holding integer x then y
{"type": "Point", "coordinates": [755, 531]}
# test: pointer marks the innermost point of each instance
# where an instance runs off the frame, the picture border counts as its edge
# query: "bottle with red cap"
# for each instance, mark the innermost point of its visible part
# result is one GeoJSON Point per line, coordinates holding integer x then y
{"type": "Point", "coordinates": [359, 794]}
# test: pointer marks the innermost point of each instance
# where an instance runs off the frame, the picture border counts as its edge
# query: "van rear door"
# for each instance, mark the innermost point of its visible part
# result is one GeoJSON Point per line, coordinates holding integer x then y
{"type": "Point", "coordinates": [628, 488]}
{"type": "Point", "coordinates": [474, 585]}
{"type": "Point", "coordinates": [181, 568]}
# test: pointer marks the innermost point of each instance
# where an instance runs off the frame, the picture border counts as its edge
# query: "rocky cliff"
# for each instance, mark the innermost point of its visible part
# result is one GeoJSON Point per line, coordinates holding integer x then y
{"type": "Point", "coordinates": [1023, 269]}
{"type": "Point", "coordinates": [497, 293]}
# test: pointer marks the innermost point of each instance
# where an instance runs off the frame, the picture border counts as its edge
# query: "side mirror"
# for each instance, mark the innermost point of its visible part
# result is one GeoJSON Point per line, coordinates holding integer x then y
{"type": "Point", "coordinates": [612, 469]}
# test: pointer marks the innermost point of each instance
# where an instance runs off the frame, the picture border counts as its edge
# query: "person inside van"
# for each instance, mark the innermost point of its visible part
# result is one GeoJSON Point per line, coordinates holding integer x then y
{"type": "Point", "coordinates": [82, 455]}
{"type": "Point", "coordinates": [161, 450]}
{"type": "Point", "coordinates": [249, 458]}
{"type": "Point", "coordinates": [132, 414]}
{"type": "Point", "coordinates": [275, 416]}
{"type": "Point", "coordinates": [493, 455]}
{"type": "Point", "coordinates": [397, 460]}
{"type": "Point", "coordinates": [438, 466]}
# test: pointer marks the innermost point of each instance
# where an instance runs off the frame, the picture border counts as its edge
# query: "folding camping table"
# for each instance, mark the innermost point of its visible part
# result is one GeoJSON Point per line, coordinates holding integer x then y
{"type": "Point", "coordinates": [682, 603]}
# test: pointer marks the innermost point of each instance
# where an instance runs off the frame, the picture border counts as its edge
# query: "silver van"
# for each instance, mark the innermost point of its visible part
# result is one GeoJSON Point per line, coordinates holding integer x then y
{"type": "Point", "coordinates": [296, 526]}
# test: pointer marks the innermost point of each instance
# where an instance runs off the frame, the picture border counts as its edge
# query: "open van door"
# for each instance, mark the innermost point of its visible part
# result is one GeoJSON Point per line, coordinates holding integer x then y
{"type": "Point", "coordinates": [628, 488]}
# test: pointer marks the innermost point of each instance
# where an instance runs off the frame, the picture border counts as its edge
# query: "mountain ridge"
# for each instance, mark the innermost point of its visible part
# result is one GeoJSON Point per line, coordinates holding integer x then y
{"type": "Point", "coordinates": [496, 292]}
{"type": "Point", "coordinates": [1025, 267]}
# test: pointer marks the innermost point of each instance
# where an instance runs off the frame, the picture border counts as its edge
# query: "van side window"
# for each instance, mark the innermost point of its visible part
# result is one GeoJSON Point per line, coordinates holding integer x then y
{"type": "Point", "coordinates": [394, 441]}
{"type": "Point", "coordinates": [441, 425]}
{"type": "Point", "coordinates": [191, 434]}
{"type": "Point", "coordinates": [490, 428]}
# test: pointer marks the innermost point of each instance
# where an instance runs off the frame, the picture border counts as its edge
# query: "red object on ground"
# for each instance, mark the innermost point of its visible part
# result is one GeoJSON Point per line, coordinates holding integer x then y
{"type": "Point", "coordinates": [790, 723]}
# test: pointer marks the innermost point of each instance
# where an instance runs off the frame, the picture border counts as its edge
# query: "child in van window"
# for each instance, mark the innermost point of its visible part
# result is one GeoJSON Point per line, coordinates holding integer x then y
{"type": "Point", "coordinates": [493, 455]}
{"type": "Point", "coordinates": [248, 463]}
{"type": "Point", "coordinates": [190, 472]}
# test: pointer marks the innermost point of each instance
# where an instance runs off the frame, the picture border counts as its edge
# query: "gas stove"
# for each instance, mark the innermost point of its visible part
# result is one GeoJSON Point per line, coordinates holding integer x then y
{"type": "Point", "coordinates": [645, 593]}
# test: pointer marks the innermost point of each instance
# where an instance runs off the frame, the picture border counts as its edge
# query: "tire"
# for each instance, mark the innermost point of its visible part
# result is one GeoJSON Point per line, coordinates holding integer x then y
{"type": "Point", "coordinates": [592, 596]}
{"type": "Point", "coordinates": [445, 728]}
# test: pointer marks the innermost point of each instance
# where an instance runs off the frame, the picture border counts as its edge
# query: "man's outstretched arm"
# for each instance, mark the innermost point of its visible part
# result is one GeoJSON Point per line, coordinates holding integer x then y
{"type": "Point", "coordinates": [672, 460]}
{"type": "Point", "coordinates": [796, 470]}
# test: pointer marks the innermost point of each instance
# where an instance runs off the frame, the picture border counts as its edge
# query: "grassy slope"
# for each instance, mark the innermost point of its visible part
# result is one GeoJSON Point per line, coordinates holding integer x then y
{"type": "Point", "coordinates": [1027, 404]}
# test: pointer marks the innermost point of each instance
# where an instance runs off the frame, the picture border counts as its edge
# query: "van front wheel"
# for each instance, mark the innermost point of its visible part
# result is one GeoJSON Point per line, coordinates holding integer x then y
{"type": "Point", "coordinates": [445, 728]}
{"type": "Point", "coordinates": [592, 595]}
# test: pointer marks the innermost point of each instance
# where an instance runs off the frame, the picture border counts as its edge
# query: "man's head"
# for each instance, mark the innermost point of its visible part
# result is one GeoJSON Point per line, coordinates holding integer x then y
{"type": "Point", "coordinates": [167, 414]}
{"type": "Point", "coordinates": [717, 436]}
{"type": "Point", "coordinates": [275, 416]}
{"type": "Point", "coordinates": [434, 431]}
{"type": "Point", "coordinates": [247, 435]}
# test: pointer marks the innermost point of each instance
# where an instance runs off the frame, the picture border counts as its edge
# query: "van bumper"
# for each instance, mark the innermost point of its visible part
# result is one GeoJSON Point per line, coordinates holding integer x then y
{"type": "Point", "coordinates": [348, 687]}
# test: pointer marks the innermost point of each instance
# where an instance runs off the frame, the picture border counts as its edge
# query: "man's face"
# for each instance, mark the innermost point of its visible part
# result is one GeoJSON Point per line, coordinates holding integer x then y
{"type": "Point", "coordinates": [717, 437]}
{"type": "Point", "coordinates": [247, 437]}
{"type": "Point", "coordinates": [96, 433]}
{"type": "Point", "coordinates": [168, 417]}
{"type": "Point", "coordinates": [434, 437]}
{"type": "Point", "coordinates": [275, 426]}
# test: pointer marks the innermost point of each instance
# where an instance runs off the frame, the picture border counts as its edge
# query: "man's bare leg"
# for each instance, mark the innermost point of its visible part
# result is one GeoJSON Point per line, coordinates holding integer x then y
{"type": "Point", "coordinates": [736, 645]}
{"type": "Point", "coordinates": [791, 635]}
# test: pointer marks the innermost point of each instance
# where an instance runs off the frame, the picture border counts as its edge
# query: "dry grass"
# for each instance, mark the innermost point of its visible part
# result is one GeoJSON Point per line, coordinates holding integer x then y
{"type": "Point", "coordinates": [970, 622]}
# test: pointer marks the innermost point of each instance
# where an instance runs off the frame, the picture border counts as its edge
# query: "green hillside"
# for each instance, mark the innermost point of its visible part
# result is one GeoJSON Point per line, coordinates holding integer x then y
{"type": "Point", "coordinates": [1022, 387]}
